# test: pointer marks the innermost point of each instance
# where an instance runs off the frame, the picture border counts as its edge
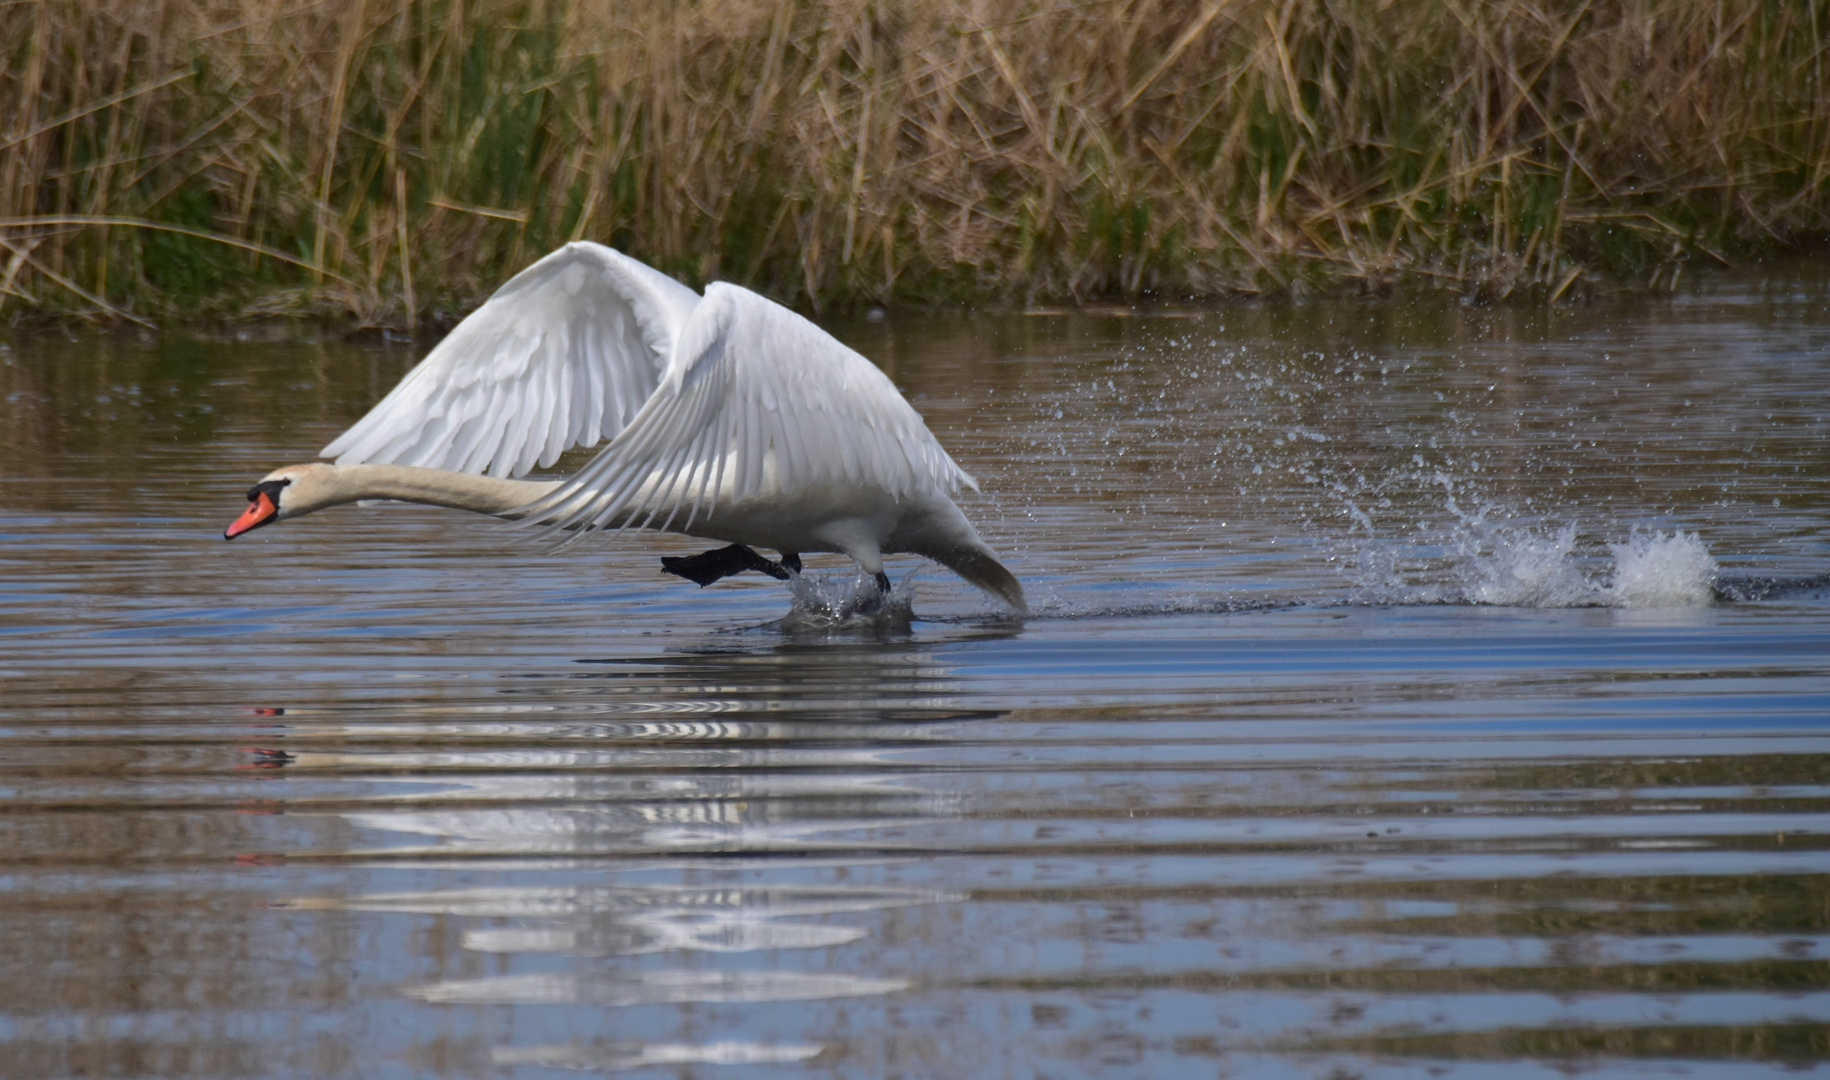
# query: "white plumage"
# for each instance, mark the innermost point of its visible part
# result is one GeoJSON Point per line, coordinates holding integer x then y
{"type": "Point", "coordinates": [727, 416]}
{"type": "Point", "coordinates": [561, 356]}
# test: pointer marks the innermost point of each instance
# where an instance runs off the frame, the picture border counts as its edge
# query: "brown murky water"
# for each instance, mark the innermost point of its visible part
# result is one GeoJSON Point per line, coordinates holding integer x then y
{"type": "Point", "coordinates": [1414, 690]}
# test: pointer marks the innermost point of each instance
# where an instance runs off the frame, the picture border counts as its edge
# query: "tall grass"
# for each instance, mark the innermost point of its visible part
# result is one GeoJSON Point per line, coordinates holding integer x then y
{"type": "Point", "coordinates": [391, 159]}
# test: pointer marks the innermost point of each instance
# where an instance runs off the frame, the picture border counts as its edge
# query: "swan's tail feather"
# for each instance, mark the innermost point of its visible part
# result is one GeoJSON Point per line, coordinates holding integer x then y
{"type": "Point", "coordinates": [981, 568]}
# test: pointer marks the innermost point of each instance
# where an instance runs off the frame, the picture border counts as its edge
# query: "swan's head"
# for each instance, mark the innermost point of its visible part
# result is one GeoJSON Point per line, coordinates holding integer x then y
{"type": "Point", "coordinates": [293, 491]}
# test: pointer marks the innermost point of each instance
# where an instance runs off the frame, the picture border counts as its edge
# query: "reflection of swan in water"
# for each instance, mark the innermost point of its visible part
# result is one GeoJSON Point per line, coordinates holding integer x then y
{"type": "Point", "coordinates": [623, 920]}
{"type": "Point", "coordinates": [729, 698]}
{"type": "Point", "coordinates": [683, 815]}
{"type": "Point", "coordinates": [579, 790]}
{"type": "Point", "coordinates": [653, 988]}
{"type": "Point", "coordinates": [653, 818]}
{"type": "Point", "coordinates": [728, 417]}
{"type": "Point", "coordinates": [842, 770]}
{"type": "Point", "coordinates": [674, 753]}
{"type": "Point", "coordinates": [622, 815]}
{"type": "Point", "coordinates": [630, 920]}
{"type": "Point", "coordinates": [605, 1055]}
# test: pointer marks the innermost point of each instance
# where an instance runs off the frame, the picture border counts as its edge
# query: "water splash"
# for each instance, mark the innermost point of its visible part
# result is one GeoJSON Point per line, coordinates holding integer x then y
{"type": "Point", "coordinates": [1484, 559]}
{"type": "Point", "coordinates": [1522, 568]}
{"type": "Point", "coordinates": [849, 602]}
{"type": "Point", "coordinates": [1655, 570]}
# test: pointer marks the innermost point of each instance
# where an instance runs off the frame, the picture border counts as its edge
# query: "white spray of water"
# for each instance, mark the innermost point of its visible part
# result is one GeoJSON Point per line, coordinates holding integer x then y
{"type": "Point", "coordinates": [1481, 561]}
{"type": "Point", "coordinates": [1655, 570]}
{"type": "Point", "coordinates": [1650, 569]}
{"type": "Point", "coordinates": [848, 602]}
{"type": "Point", "coordinates": [1520, 568]}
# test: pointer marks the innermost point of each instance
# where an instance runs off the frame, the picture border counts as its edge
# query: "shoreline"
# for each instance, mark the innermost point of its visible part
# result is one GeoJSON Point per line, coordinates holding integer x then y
{"type": "Point", "coordinates": [1789, 271]}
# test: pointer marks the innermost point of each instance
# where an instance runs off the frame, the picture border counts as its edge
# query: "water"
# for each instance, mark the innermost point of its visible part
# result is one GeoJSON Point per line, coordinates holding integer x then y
{"type": "Point", "coordinates": [1414, 690]}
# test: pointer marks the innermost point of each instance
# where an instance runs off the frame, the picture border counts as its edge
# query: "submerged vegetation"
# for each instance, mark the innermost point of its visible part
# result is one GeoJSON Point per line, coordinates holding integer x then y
{"type": "Point", "coordinates": [393, 159]}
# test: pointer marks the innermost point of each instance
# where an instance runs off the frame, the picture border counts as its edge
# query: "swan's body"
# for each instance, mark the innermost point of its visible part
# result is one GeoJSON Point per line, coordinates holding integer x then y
{"type": "Point", "coordinates": [728, 417]}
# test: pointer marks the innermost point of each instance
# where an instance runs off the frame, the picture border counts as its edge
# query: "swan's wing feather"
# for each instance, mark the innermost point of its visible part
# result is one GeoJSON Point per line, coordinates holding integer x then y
{"type": "Point", "coordinates": [758, 397]}
{"type": "Point", "coordinates": [563, 355]}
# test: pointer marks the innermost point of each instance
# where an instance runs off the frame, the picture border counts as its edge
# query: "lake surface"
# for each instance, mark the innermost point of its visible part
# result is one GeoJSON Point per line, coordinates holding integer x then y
{"type": "Point", "coordinates": [1412, 689]}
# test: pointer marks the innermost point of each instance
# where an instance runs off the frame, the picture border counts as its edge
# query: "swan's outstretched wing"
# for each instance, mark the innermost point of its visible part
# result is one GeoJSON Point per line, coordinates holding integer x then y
{"type": "Point", "coordinates": [755, 401]}
{"type": "Point", "coordinates": [563, 355]}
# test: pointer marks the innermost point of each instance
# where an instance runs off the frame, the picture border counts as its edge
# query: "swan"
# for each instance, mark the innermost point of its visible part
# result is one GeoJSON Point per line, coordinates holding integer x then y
{"type": "Point", "coordinates": [728, 417]}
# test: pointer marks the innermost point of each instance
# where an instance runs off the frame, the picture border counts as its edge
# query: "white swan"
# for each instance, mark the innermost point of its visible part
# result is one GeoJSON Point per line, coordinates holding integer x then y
{"type": "Point", "coordinates": [728, 417]}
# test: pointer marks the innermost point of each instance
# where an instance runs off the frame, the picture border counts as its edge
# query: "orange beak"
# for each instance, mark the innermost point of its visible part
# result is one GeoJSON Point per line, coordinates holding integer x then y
{"type": "Point", "coordinates": [259, 512]}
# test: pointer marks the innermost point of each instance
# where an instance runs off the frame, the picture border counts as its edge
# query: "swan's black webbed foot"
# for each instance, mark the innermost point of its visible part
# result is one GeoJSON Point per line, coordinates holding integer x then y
{"type": "Point", "coordinates": [723, 563]}
{"type": "Point", "coordinates": [883, 583]}
{"type": "Point", "coordinates": [791, 560]}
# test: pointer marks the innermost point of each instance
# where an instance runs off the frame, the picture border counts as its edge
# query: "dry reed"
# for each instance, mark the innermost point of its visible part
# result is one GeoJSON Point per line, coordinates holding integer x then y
{"type": "Point", "coordinates": [391, 159]}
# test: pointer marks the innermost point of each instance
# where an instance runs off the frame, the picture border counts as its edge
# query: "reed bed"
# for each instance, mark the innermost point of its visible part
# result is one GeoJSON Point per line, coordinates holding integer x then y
{"type": "Point", "coordinates": [391, 160]}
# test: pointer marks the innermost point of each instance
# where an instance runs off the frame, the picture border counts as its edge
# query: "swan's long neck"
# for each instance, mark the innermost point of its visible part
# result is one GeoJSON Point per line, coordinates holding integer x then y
{"type": "Point", "coordinates": [437, 487]}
